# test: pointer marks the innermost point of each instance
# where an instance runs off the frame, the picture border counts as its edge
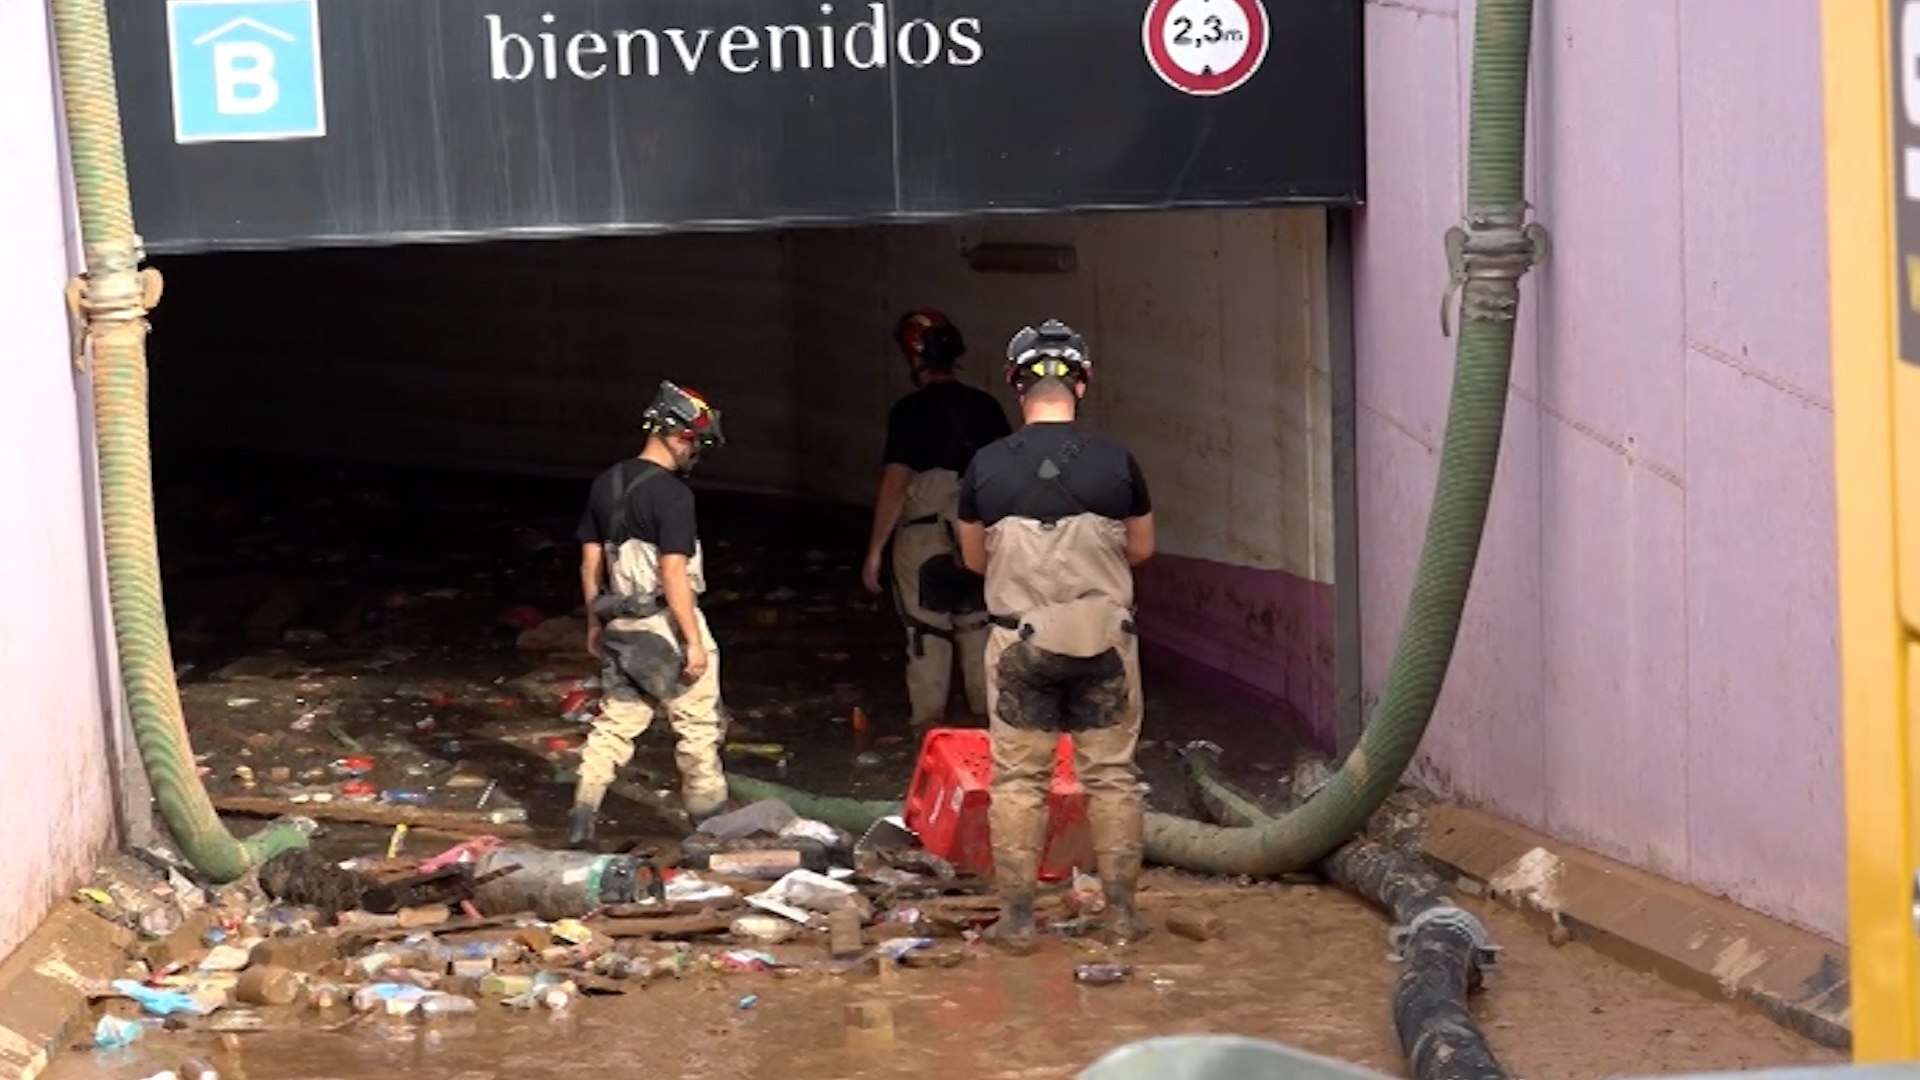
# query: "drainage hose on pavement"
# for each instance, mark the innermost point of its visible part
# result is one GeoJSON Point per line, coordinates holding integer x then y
{"type": "Point", "coordinates": [115, 300]}
{"type": "Point", "coordinates": [1442, 948]}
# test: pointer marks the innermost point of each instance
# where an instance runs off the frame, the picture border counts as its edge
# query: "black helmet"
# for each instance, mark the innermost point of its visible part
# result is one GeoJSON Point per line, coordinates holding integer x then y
{"type": "Point", "coordinates": [675, 409]}
{"type": "Point", "coordinates": [1055, 350]}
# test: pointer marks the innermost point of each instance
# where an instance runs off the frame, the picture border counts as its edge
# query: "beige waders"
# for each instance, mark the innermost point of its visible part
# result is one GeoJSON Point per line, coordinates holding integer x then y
{"type": "Point", "coordinates": [934, 635]}
{"type": "Point", "coordinates": [1062, 657]}
{"type": "Point", "coordinates": [644, 657]}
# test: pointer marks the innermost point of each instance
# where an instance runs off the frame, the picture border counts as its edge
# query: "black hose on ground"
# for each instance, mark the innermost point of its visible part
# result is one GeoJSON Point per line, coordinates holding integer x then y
{"type": "Point", "coordinates": [1443, 950]}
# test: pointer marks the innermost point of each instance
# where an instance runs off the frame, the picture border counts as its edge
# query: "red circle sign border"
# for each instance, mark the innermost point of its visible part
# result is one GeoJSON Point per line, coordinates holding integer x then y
{"type": "Point", "coordinates": [1153, 37]}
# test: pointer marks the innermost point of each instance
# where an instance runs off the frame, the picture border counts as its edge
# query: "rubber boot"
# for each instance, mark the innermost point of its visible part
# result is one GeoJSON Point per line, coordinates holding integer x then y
{"type": "Point", "coordinates": [1013, 932]}
{"type": "Point", "coordinates": [1124, 924]}
{"type": "Point", "coordinates": [580, 826]}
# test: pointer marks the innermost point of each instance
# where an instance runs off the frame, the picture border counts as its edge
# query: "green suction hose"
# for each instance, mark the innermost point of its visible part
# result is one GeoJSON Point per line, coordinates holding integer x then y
{"type": "Point", "coordinates": [1489, 256]}
{"type": "Point", "coordinates": [115, 300]}
{"type": "Point", "coordinates": [1491, 253]}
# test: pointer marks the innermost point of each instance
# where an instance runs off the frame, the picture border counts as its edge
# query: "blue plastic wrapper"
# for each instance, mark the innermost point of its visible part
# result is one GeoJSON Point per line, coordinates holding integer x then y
{"type": "Point", "coordinates": [156, 1001]}
{"type": "Point", "coordinates": [112, 1033]}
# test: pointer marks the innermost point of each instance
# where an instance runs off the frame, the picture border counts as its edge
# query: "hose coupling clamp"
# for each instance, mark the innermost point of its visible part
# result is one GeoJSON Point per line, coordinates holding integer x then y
{"type": "Point", "coordinates": [1493, 248]}
{"type": "Point", "coordinates": [1448, 917]}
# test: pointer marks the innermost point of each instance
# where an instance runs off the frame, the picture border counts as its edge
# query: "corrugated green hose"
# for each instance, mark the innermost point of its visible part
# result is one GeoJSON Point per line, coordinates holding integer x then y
{"type": "Point", "coordinates": [116, 300]}
{"type": "Point", "coordinates": [1496, 249]}
{"type": "Point", "coordinates": [1492, 252]}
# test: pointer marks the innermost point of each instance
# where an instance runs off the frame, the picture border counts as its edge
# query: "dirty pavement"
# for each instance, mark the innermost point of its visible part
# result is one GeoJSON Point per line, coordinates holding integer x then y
{"type": "Point", "coordinates": [394, 660]}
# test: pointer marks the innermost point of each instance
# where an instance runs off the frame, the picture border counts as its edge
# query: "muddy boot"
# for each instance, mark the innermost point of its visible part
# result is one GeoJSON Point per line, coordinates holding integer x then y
{"type": "Point", "coordinates": [1124, 924]}
{"type": "Point", "coordinates": [580, 826]}
{"type": "Point", "coordinates": [1014, 932]}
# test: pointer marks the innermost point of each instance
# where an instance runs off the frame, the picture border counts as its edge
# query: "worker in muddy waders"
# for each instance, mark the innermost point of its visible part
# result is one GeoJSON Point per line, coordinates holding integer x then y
{"type": "Point", "coordinates": [641, 574]}
{"type": "Point", "coordinates": [932, 434]}
{"type": "Point", "coordinates": [1056, 517]}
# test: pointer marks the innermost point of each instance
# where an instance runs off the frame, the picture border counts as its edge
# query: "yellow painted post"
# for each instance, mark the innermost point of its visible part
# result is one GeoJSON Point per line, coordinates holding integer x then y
{"type": "Point", "coordinates": [1868, 132]}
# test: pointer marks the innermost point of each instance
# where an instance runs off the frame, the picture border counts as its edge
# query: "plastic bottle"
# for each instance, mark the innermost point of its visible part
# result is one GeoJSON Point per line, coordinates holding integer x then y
{"type": "Point", "coordinates": [442, 1005]}
{"type": "Point", "coordinates": [554, 884]}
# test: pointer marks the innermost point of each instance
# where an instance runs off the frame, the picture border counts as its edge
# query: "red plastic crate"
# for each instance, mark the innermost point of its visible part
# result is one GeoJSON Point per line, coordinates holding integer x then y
{"type": "Point", "coordinates": [948, 800]}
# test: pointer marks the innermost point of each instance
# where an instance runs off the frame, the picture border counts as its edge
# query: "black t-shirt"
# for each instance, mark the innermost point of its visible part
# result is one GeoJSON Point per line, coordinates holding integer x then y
{"type": "Point", "coordinates": [658, 509]}
{"type": "Point", "coordinates": [941, 426]}
{"type": "Point", "coordinates": [1052, 471]}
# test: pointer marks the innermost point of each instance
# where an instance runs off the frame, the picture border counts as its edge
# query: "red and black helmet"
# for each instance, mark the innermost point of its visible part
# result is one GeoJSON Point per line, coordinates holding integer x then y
{"type": "Point", "coordinates": [677, 409]}
{"type": "Point", "coordinates": [928, 337]}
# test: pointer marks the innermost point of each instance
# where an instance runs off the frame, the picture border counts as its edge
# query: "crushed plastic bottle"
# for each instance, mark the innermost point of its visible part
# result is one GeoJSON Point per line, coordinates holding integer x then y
{"type": "Point", "coordinates": [443, 1005]}
{"type": "Point", "coordinates": [112, 1033]}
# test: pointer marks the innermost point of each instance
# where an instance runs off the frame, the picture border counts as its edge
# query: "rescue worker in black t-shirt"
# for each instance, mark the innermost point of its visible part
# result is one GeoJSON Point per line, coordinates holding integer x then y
{"type": "Point", "coordinates": [641, 573]}
{"type": "Point", "coordinates": [932, 434]}
{"type": "Point", "coordinates": [1056, 517]}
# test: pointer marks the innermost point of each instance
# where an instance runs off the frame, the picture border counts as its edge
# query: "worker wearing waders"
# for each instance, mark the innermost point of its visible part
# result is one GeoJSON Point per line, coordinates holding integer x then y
{"type": "Point", "coordinates": [932, 434]}
{"type": "Point", "coordinates": [1057, 517]}
{"type": "Point", "coordinates": [641, 573]}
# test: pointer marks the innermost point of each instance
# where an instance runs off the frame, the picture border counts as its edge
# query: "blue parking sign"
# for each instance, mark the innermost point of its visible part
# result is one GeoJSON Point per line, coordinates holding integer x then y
{"type": "Point", "coordinates": [245, 70]}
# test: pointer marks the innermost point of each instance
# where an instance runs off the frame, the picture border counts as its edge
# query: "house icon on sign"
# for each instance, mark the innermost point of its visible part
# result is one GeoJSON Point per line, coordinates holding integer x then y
{"type": "Point", "coordinates": [245, 70]}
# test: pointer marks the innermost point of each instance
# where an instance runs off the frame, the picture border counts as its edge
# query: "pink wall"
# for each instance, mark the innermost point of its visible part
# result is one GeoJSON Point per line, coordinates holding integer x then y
{"type": "Point", "coordinates": [1647, 665]}
{"type": "Point", "coordinates": [54, 793]}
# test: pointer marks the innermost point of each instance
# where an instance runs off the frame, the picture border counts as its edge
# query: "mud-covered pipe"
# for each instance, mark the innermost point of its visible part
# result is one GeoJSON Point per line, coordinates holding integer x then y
{"type": "Point", "coordinates": [1442, 948]}
{"type": "Point", "coordinates": [115, 298]}
{"type": "Point", "coordinates": [1492, 251]}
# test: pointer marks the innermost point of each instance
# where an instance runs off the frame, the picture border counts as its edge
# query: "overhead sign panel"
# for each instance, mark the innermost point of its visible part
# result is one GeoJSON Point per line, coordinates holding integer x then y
{"type": "Point", "coordinates": [281, 123]}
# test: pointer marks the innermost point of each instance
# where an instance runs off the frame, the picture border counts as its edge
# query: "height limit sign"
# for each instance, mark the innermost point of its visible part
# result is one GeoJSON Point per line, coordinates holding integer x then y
{"type": "Point", "coordinates": [1206, 47]}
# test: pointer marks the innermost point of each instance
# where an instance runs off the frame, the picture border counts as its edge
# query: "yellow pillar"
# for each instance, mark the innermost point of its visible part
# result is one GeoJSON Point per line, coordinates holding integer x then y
{"type": "Point", "coordinates": [1877, 432]}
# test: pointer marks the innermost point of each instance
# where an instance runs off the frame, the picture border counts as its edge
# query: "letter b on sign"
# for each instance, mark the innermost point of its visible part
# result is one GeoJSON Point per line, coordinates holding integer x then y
{"type": "Point", "coordinates": [245, 70]}
{"type": "Point", "coordinates": [243, 78]}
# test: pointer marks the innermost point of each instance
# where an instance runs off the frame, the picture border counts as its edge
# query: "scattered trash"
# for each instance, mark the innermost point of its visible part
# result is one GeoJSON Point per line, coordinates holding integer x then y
{"type": "Point", "coordinates": [1195, 925]}
{"type": "Point", "coordinates": [394, 797]}
{"type": "Point", "coordinates": [242, 702]}
{"type": "Point", "coordinates": [227, 958]}
{"type": "Point", "coordinates": [356, 765]}
{"type": "Point", "coordinates": [895, 948]}
{"type": "Point", "coordinates": [572, 931]}
{"type": "Point", "coordinates": [763, 751]}
{"type": "Point", "coordinates": [1086, 895]}
{"type": "Point", "coordinates": [804, 891]}
{"type": "Point", "coordinates": [558, 884]}
{"type": "Point", "coordinates": [749, 1001]}
{"type": "Point", "coordinates": [748, 960]}
{"type": "Point", "coordinates": [844, 939]}
{"type": "Point", "coordinates": [392, 998]}
{"type": "Point", "coordinates": [167, 1002]}
{"type": "Point", "coordinates": [1102, 974]}
{"type": "Point", "coordinates": [112, 1033]}
{"type": "Point", "coordinates": [870, 759]}
{"type": "Point", "coordinates": [359, 791]}
{"type": "Point", "coordinates": [686, 888]}
{"type": "Point", "coordinates": [395, 842]}
{"type": "Point", "coordinates": [763, 929]}
{"type": "Point", "coordinates": [267, 985]}
{"type": "Point", "coordinates": [766, 817]}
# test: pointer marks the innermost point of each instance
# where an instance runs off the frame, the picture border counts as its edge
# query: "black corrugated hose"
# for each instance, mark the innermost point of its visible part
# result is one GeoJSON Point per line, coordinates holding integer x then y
{"type": "Point", "coordinates": [1442, 948]}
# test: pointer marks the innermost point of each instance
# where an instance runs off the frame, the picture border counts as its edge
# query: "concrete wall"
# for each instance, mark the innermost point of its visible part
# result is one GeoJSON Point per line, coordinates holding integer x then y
{"type": "Point", "coordinates": [1210, 336]}
{"type": "Point", "coordinates": [54, 787]}
{"type": "Point", "coordinates": [1211, 330]}
{"type": "Point", "coordinates": [533, 355]}
{"type": "Point", "coordinates": [1648, 661]}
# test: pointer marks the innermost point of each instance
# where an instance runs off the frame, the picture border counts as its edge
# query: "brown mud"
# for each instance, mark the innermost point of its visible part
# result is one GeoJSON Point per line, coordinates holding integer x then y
{"type": "Point", "coordinates": [322, 613]}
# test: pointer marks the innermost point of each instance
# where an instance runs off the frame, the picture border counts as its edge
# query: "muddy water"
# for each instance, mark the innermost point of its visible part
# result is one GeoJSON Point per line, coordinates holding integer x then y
{"type": "Point", "coordinates": [1302, 965]}
{"type": "Point", "coordinates": [376, 598]}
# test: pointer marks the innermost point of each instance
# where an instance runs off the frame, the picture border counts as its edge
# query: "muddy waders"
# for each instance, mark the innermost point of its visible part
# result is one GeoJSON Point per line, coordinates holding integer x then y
{"type": "Point", "coordinates": [939, 602]}
{"type": "Point", "coordinates": [643, 660]}
{"type": "Point", "coordinates": [1062, 657]}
